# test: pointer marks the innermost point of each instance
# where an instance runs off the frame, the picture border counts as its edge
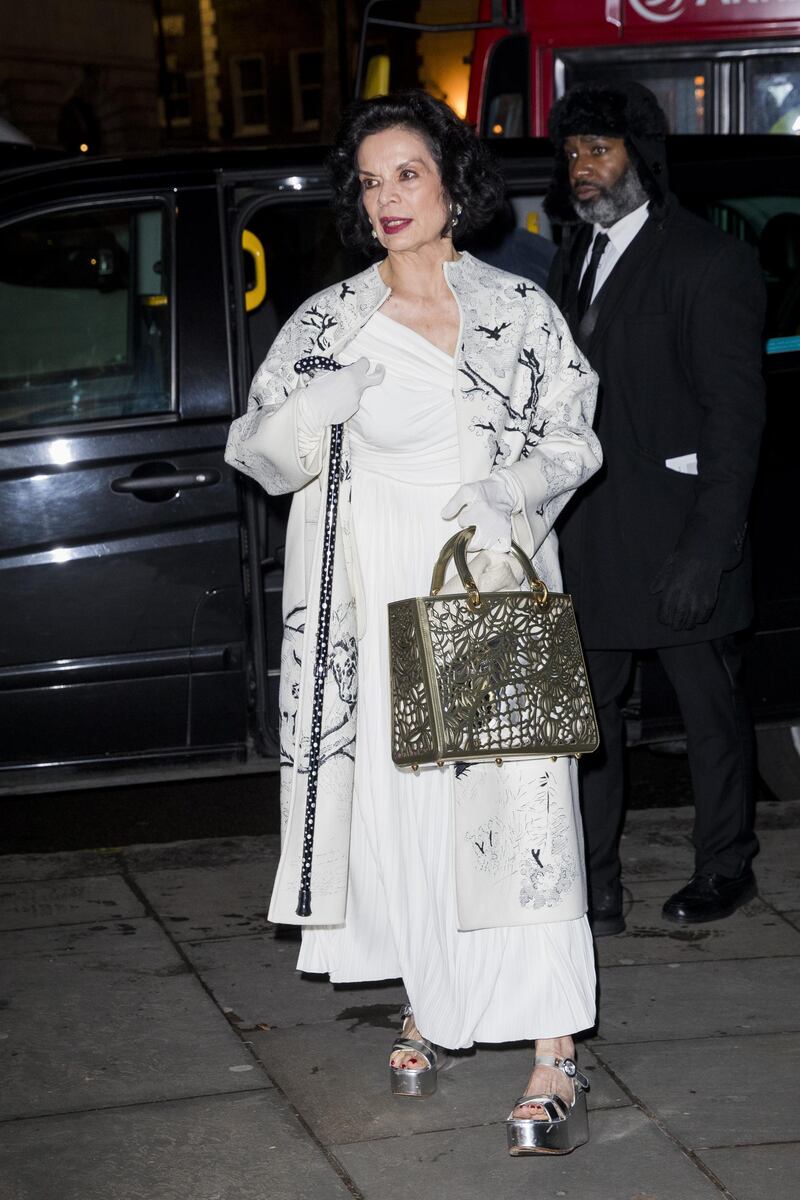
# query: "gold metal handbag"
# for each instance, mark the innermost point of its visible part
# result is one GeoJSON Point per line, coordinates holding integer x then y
{"type": "Point", "coordinates": [489, 675]}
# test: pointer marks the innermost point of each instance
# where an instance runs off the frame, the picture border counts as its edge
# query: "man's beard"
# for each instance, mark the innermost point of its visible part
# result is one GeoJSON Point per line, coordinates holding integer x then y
{"type": "Point", "coordinates": [612, 203]}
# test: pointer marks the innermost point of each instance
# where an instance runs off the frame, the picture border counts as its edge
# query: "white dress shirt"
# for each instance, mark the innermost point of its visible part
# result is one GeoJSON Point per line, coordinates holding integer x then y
{"type": "Point", "coordinates": [620, 236]}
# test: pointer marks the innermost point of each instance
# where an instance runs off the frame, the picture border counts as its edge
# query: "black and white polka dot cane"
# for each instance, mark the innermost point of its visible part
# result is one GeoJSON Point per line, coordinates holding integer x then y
{"type": "Point", "coordinates": [303, 367]}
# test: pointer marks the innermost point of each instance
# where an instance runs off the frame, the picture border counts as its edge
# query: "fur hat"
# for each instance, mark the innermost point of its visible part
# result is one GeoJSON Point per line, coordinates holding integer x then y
{"type": "Point", "coordinates": [623, 109]}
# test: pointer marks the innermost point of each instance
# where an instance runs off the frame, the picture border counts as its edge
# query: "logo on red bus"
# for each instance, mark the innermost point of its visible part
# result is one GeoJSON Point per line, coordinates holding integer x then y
{"type": "Point", "coordinates": [664, 11]}
{"type": "Point", "coordinates": [661, 10]}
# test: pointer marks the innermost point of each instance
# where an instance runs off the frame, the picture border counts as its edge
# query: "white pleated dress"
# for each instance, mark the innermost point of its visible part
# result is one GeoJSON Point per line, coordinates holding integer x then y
{"type": "Point", "coordinates": [486, 985]}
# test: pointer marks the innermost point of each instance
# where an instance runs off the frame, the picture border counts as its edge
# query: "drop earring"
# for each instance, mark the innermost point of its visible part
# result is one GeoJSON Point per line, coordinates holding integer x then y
{"type": "Point", "coordinates": [455, 214]}
{"type": "Point", "coordinates": [374, 234]}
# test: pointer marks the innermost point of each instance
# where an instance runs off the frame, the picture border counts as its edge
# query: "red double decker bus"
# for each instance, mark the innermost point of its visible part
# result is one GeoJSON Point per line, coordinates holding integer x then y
{"type": "Point", "coordinates": [716, 66]}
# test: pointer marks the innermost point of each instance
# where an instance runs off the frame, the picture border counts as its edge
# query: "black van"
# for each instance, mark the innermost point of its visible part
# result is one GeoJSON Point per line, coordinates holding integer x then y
{"type": "Point", "coordinates": [141, 579]}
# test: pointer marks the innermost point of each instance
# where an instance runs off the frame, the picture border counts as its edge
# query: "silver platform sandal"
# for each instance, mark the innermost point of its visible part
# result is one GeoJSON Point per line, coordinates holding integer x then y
{"type": "Point", "coordinates": [565, 1127]}
{"type": "Point", "coordinates": [406, 1081]}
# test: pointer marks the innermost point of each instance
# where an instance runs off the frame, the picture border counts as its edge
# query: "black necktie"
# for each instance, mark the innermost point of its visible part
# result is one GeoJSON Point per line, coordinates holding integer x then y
{"type": "Point", "coordinates": [590, 274]}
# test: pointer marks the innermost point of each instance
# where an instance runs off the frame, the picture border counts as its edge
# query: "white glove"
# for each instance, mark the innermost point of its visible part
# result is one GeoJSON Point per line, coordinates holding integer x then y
{"type": "Point", "coordinates": [335, 396]}
{"type": "Point", "coordinates": [488, 505]}
{"type": "Point", "coordinates": [491, 572]}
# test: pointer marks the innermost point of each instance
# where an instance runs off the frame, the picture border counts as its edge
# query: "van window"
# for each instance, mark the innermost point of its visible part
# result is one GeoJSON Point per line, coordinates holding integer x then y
{"type": "Point", "coordinates": [771, 224]}
{"type": "Point", "coordinates": [84, 317]}
{"type": "Point", "coordinates": [303, 254]}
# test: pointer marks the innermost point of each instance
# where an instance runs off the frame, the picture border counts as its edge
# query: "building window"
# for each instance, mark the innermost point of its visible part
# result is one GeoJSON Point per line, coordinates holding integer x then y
{"type": "Point", "coordinates": [248, 87]}
{"type": "Point", "coordinates": [306, 68]}
{"type": "Point", "coordinates": [179, 103]}
{"type": "Point", "coordinates": [173, 25]}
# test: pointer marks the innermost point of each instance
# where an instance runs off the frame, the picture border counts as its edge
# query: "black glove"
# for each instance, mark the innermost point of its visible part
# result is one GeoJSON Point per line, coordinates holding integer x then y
{"type": "Point", "coordinates": [689, 587]}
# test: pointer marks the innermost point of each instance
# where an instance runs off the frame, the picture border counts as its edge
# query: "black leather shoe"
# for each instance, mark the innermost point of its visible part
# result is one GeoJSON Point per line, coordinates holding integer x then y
{"type": "Point", "coordinates": [605, 911]}
{"type": "Point", "coordinates": [709, 898]}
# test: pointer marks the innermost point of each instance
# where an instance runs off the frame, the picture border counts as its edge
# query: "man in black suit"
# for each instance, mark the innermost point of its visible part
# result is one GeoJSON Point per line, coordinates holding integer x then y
{"type": "Point", "coordinates": [669, 312]}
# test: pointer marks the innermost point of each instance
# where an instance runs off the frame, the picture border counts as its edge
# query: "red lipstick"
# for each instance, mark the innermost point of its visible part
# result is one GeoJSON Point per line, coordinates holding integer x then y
{"type": "Point", "coordinates": [391, 225]}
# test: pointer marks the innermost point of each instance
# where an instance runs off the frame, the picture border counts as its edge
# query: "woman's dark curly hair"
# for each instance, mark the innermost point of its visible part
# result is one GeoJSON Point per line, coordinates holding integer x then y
{"type": "Point", "coordinates": [468, 172]}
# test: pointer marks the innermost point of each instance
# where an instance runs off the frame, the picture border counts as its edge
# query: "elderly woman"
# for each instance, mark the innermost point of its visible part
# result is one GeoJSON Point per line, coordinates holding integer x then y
{"type": "Point", "coordinates": [463, 397]}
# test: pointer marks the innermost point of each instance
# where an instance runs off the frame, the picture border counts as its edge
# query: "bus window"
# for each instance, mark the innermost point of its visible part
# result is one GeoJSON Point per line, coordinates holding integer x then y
{"type": "Point", "coordinates": [506, 105]}
{"type": "Point", "coordinates": [681, 86]}
{"type": "Point", "coordinates": [772, 91]}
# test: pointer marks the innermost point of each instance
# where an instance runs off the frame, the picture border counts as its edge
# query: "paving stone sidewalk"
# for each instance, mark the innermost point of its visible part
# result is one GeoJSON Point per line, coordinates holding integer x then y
{"type": "Point", "coordinates": [157, 1044]}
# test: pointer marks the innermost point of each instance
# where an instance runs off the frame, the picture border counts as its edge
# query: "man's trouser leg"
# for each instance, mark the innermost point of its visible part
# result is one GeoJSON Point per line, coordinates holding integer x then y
{"type": "Point", "coordinates": [706, 677]}
{"type": "Point", "coordinates": [603, 773]}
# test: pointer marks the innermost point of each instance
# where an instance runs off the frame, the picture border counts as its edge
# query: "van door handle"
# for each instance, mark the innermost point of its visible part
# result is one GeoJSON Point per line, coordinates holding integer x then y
{"type": "Point", "coordinates": [167, 482]}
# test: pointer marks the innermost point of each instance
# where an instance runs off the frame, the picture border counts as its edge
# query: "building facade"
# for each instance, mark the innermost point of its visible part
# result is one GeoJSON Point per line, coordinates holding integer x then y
{"type": "Point", "coordinates": [113, 76]}
{"type": "Point", "coordinates": [75, 75]}
{"type": "Point", "coordinates": [248, 70]}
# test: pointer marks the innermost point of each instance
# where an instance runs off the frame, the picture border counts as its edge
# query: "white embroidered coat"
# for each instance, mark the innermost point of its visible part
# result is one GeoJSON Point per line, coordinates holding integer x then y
{"type": "Point", "coordinates": [525, 400]}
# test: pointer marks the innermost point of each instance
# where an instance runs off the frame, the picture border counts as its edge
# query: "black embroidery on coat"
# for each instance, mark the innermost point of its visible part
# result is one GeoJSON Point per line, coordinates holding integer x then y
{"type": "Point", "coordinates": [343, 665]}
{"type": "Point", "coordinates": [321, 322]}
{"type": "Point", "coordinates": [521, 420]}
{"type": "Point", "coordinates": [493, 332]}
{"type": "Point", "coordinates": [342, 670]}
{"type": "Point", "coordinates": [576, 366]}
{"type": "Point", "coordinates": [291, 624]}
{"type": "Point", "coordinates": [479, 384]}
{"type": "Point", "coordinates": [295, 623]}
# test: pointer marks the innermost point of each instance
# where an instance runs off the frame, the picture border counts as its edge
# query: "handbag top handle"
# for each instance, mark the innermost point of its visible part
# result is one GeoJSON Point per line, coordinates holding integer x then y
{"type": "Point", "coordinates": [456, 548]}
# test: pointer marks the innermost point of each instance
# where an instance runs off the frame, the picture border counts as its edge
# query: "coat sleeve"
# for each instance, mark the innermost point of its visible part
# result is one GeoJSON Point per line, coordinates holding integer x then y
{"type": "Point", "coordinates": [561, 450]}
{"type": "Point", "coordinates": [266, 442]}
{"type": "Point", "coordinates": [724, 347]}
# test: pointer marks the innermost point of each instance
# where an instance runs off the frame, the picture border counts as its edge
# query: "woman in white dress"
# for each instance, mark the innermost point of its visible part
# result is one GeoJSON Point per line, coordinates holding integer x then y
{"type": "Point", "coordinates": [463, 397]}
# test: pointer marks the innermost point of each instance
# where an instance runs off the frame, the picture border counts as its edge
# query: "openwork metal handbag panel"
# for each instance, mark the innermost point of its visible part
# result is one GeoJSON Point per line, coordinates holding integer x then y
{"type": "Point", "coordinates": [488, 675]}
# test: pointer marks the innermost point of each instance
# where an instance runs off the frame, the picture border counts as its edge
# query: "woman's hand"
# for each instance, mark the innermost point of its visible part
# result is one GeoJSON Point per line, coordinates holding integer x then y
{"type": "Point", "coordinates": [335, 396]}
{"type": "Point", "coordinates": [488, 505]}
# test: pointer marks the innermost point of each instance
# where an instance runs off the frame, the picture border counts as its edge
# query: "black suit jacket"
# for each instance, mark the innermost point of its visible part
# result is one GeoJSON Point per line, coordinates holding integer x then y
{"type": "Point", "coordinates": [676, 337]}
